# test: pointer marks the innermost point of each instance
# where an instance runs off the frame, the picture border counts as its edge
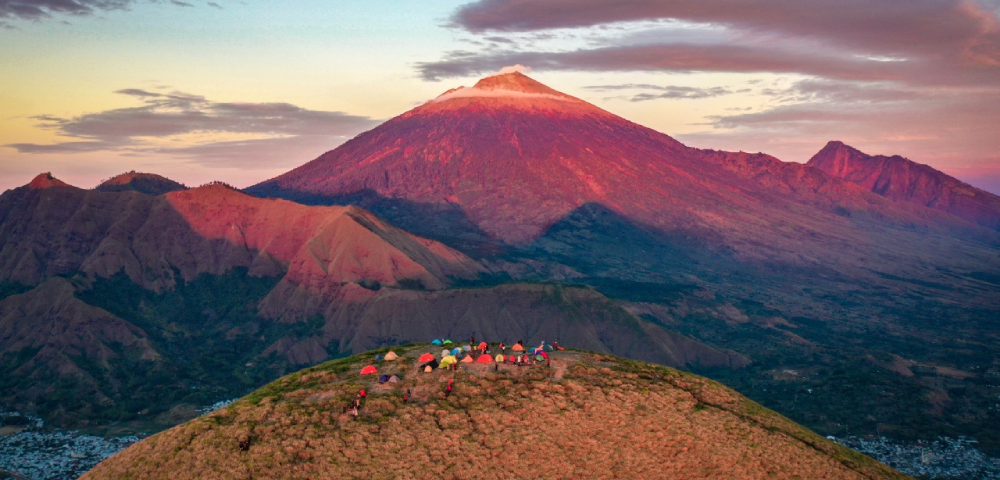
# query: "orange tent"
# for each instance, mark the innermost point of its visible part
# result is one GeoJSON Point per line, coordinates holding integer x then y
{"type": "Point", "coordinates": [483, 345]}
{"type": "Point", "coordinates": [425, 358]}
{"type": "Point", "coordinates": [485, 359]}
{"type": "Point", "coordinates": [369, 370]}
{"type": "Point", "coordinates": [467, 359]}
{"type": "Point", "coordinates": [517, 347]}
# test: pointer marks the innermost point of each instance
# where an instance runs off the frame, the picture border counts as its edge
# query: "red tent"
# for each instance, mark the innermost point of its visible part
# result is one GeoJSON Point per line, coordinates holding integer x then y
{"type": "Point", "coordinates": [425, 358]}
{"type": "Point", "coordinates": [369, 370]}
{"type": "Point", "coordinates": [483, 345]}
{"type": "Point", "coordinates": [485, 359]}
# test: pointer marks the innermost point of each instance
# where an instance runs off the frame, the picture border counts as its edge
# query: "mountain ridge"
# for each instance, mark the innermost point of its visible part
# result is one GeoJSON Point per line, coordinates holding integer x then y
{"type": "Point", "coordinates": [904, 180]}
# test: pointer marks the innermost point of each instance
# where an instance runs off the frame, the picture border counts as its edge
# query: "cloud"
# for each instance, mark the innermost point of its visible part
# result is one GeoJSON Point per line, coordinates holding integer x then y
{"type": "Point", "coordinates": [512, 69]}
{"type": "Point", "coordinates": [925, 42]}
{"type": "Point", "coordinates": [38, 10]}
{"type": "Point", "coordinates": [168, 116]}
{"type": "Point", "coordinates": [677, 58]}
{"type": "Point", "coordinates": [668, 92]}
{"type": "Point", "coordinates": [886, 27]}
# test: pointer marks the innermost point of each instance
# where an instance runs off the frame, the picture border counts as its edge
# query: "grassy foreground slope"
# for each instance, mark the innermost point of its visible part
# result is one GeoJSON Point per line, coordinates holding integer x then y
{"type": "Point", "coordinates": [586, 416]}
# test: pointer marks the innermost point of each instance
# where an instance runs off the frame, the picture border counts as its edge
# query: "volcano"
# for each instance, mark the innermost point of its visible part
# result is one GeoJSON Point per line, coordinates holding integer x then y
{"type": "Point", "coordinates": [799, 269]}
{"type": "Point", "coordinates": [513, 163]}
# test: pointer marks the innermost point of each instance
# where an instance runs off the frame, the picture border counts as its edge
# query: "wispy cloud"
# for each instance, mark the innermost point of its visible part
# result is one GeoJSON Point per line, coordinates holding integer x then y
{"type": "Point", "coordinates": [162, 117]}
{"type": "Point", "coordinates": [668, 92]}
{"type": "Point", "coordinates": [39, 10]}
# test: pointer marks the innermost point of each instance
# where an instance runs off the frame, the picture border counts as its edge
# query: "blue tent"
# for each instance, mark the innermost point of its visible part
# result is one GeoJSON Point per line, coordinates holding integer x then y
{"type": "Point", "coordinates": [378, 357]}
{"type": "Point", "coordinates": [435, 342]}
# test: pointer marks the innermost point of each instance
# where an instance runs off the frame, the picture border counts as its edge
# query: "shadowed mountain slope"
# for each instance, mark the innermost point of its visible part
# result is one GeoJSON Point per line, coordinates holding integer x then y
{"type": "Point", "coordinates": [904, 180]}
{"type": "Point", "coordinates": [586, 416]}
{"type": "Point", "coordinates": [137, 303]}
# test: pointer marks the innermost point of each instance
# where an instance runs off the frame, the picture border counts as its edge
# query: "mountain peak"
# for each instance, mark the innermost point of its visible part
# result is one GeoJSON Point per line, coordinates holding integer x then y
{"type": "Point", "coordinates": [148, 183]}
{"type": "Point", "coordinates": [902, 179]}
{"type": "Point", "coordinates": [514, 85]}
{"type": "Point", "coordinates": [46, 180]}
{"type": "Point", "coordinates": [514, 82]}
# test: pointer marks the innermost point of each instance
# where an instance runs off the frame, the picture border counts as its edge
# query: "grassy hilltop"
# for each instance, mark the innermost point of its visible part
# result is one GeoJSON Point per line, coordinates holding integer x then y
{"type": "Point", "coordinates": [586, 416]}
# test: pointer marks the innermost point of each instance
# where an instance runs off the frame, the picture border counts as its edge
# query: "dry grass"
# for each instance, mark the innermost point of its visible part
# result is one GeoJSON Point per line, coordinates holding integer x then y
{"type": "Point", "coordinates": [605, 418]}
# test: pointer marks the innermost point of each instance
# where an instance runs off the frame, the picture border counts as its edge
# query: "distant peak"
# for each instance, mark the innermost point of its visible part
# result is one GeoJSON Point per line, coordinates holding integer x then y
{"type": "Point", "coordinates": [148, 183]}
{"type": "Point", "coordinates": [46, 180]}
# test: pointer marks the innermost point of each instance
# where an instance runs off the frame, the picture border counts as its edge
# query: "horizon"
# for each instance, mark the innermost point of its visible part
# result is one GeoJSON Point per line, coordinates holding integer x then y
{"type": "Point", "coordinates": [242, 92]}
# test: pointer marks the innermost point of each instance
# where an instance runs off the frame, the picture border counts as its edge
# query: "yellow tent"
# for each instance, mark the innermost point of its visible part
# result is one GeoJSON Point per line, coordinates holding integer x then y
{"type": "Point", "coordinates": [499, 358]}
{"type": "Point", "coordinates": [391, 356]}
{"type": "Point", "coordinates": [448, 361]}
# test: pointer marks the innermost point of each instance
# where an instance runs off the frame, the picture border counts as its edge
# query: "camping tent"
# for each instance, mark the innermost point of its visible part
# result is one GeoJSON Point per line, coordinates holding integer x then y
{"type": "Point", "coordinates": [428, 369]}
{"type": "Point", "coordinates": [447, 342]}
{"type": "Point", "coordinates": [378, 357]}
{"type": "Point", "coordinates": [467, 348]}
{"type": "Point", "coordinates": [445, 352]}
{"type": "Point", "coordinates": [391, 355]}
{"type": "Point", "coordinates": [517, 347]}
{"type": "Point", "coordinates": [483, 345]}
{"type": "Point", "coordinates": [499, 358]}
{"type": "Point", "coordinates": [435, 342]}
{"type": "Point", "coordinates": [448, 361]}
{"type": "Point", "coordinates": [369, 370]}
{"type": "Point", "coordinates": [433, 364]}
{"type": "Point", "coordinates": [425, 358]}
{"type": "Point", "coordinates": [537, 350]}
{"type": "Point", "coordinates": [383, 379]}
{"type": "Point", "coordinates": [467, 359]}
{"type": "Point", "coordinates": [393, 379]}
{"type": "Point", "coordinates": [543, 355]}
{"type": "Point", "coordinates": [485, 359]}
{"type": "Point", "coordinates": [456, 352]}
{"type": "Point", "coordinates": [547, 347]}
{"type": "Point", "coordinates": [539, 358]}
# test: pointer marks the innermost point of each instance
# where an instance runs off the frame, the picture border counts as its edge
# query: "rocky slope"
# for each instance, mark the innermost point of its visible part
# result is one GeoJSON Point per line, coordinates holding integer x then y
{"type": "Point", "coordinates": [585, 416]}
{"type": "Point", "coordinates": [904, 180]}
{"type": "Point", "coordinates": [48, 333]}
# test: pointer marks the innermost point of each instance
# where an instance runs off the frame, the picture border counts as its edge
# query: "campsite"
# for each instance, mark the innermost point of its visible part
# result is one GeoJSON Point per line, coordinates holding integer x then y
{"type": "Point", "coordinates": [582, 415]}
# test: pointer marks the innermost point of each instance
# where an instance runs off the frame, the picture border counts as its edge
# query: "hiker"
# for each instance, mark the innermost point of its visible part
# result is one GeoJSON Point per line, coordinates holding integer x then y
{"type": "Point", "coordinates": [555, 345]}
{"type": "Point", "coordinates": [362, 393]}
{"type": "Point", "coordinates": [245, 445]}
{"type": "Point", "coordinates": [472, 340]}
{"type": "Point", "coordinates": [503, 348]}
{"type": "Point", "coordinates": [447, 392]}
{"type": "Point", "coordinates": [548, 363]}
